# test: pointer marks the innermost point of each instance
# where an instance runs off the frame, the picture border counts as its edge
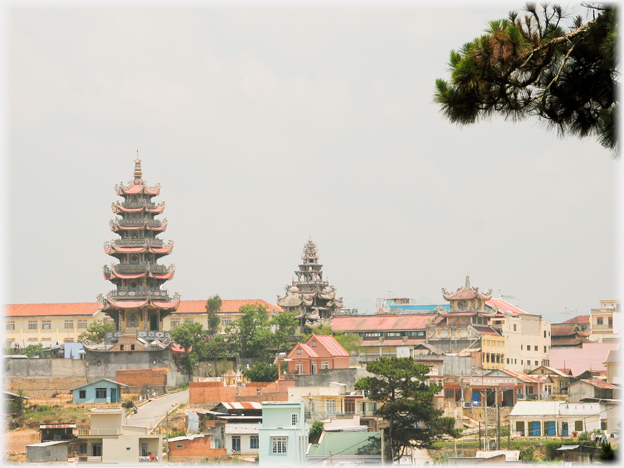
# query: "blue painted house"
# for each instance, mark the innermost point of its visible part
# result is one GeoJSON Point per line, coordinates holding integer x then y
{"type": "Point", "coordinates": [283, 434]}
{"type": "Point", "coordinates": [100, 391]}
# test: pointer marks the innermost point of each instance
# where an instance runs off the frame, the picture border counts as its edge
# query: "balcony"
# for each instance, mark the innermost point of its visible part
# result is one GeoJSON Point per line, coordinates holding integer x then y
{"type": "Point", "coordinates": [139, 293]}
{"type": "Point", "coordinates": [141, 204]}
{"type": "Point", "coordinates": [129, 268]}
{"type": "Point", "coordinates": [139, 242]}
{"type": "Point", "coordinates": [130, 222]}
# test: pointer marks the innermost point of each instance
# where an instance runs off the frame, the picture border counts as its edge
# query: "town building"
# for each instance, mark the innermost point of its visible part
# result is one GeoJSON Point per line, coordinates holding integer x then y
{"type": "Point", "coordinates": [310, 296]}
{"type": "Point", "coordinates": [604, 321]}
{"type": "Point", "coordinates": [319, 352]}
{"type": "Point", "coordinates": [110, 441]}
{"type": "Point", "coordinates": [100, 391]}
{"type": "Point", "coordinates": [554, 381]}
{"type": "Point", "coordinates": [47, 324]}
{"type": "Point", "coordinates": [138, 304]}
{"type": "Point", "coordinates": [48, 452]}
{"type": "Point", "coordinates": [466, 325]}
{"type": "Point", "coordinates": [283, 434]}
{"type": "Point", "coordinates": [567, 335]}
{"type": "Point", "coordinates": [334, 402]}
{"type": "Point", "coordinates": [581, 321]}
{"type": "Point", "coordinates": [555, 418]}
{"type": "Point", "coordinates": [589, 357]}
{"type": "Point", "coordinates": [592, 390]}
{"type": "Point", "coordinates": [193, 447]}
{"type": "Point", "coordinates": [612, 363]}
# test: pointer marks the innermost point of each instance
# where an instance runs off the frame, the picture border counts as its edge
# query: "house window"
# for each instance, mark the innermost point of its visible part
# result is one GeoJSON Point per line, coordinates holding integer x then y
{"type": "Point", "coordinates": [32, 325]}
{"type": "Point", "coordinates": [254, 442]}
{"type": "Point", "coordinates": [69, 324]}
{"type": "Point", "coordinates": [544, 333]}
{"type": "Point", "coordinates": [313, 342]}
{"type": "Point", "coordinates": [10, 325]}
{"type": "Point", "coordinates": [325, 365]}
{"type": "Point", "coordinates": [521, 347]}
{"type": "Point", "coordinates": [299, 368]}
{"type": "Point", "coordinates": [578, 426]}
{"type": "Point", "coordinates": [46, 324]}
{"type": "Point", "coordinates": [528, 347]}
{"type": "Point", "coordinates": [189, 321]}
{"type": "Point", "coordinates": [314, 368]}
{"type": "Point", "coordinates": [298, 350]}
{"type": "Point", "coordinates": [179, 446]}
{"type": "Point", "coordinates": [279, 445]}
{"type": "Point", "coordinates": [293, 419]}
{"type": "Point", "coordinates": [507, 360]}
{"type": "Point", "coordinates": [536, 363]}
{"type": "Point", "coordinates": [449, 393]}
{"type": "Point", "coordinates": [82, 394]}
{"type": "Point", "coordinates": [236, 446]}
{"type": "Point", "coordinates": [144, 451]}
{"type": "Point", "coordinates": [226, 322]}
{"type": "Point", "coordinates": [330, 406]}
{"type": "Point", "coordinates": [100, 393]}
{"type": "Point", "coordinates": [82, 324]}
{"type": "Point", "coordinates": [175, 323]}
{"type": "Point", "coordinates": [599, 321]}
{"type": "Point", "coordinates": [514, 327]}
{"type": "Point", "coordinates": [536, 348]}
{"type": "Point", "coordinates": [544, 348]}
{"type": "Point", "coordinates": [610, 321]}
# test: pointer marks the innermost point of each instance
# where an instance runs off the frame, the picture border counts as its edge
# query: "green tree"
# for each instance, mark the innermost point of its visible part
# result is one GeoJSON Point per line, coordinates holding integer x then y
{"type": "Point", "coordinates": [251, 334]}
{"type": "Point", "coordinates": [189, 336]}
{"type": "Point", "coordinates": [606, 452]}
{"type": "Point", "coordinates": [535, 66]}
{"type": "Point", "coordinates": [17, 408]}
{"type": "Point", "coordinates": [213, 306]}
{"type": "Point", "coordinates": [407, 403]}
{"type": "Point", "coordinates": [261, 371]}
{"type": "Point", "coordinates": [283, 326]}
{"type": "Point", "coordinates": [33, 350]}
{"type": "Point", "coordinates": [315, 431]}
{"type": "Point", "coordinates": [97, 331]}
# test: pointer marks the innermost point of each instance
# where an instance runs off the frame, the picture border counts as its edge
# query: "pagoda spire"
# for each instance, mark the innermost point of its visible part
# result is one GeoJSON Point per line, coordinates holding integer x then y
{"type": "Point", "coordinates": [467, 281]}
{"type": "Point", "coordinates": [138, 173]}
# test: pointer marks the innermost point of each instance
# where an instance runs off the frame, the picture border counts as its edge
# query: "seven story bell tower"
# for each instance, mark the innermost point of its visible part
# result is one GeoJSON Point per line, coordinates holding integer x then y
{"type": "Point", "coordinates": [138, 303]}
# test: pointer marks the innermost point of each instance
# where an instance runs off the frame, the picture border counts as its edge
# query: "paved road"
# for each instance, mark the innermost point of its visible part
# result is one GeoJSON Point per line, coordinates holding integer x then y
{"type": "Point", "coordinates": [150, 413]}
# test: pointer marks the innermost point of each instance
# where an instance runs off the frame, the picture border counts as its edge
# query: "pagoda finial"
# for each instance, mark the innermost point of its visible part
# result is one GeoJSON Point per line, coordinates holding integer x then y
{"type": "Point", "coordinates": [138, 174]}
{"type": "Point", "coordinates": [467, 281]}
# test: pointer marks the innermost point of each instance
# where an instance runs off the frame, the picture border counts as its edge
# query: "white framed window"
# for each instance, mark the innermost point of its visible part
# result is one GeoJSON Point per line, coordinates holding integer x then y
{"type": "Point", "coordinates": [293, 419]}
{"type": "Point", "coordinates": [325, 365]}
{"type": "Point", "coordinates": [313, 342]}
{"type": "Point", "coordinates": [82, 324]}
{"type": "Point", "coordinates": [279, 445]}
{"type": "Point", "coordinates": [69, 324]}
{"type": "Point", "coordinates": [10, 325]}
{"type": "Point", "coordinates": [175, 323]}
{"type": "Point", "coordinates": [298, 350]}
{"type": "Point", "coordinates": [254, 442]}
{"type": "Point", "coordinates": [299, 368]}
{"type": "Point", "coordinates": [330, 406]}
{"type": "Point", "coordinates": [33, 325]}
{"type": "Point", "coordinates": [46, 324]}
{"type": "Point", "coordinates": [189, 321]}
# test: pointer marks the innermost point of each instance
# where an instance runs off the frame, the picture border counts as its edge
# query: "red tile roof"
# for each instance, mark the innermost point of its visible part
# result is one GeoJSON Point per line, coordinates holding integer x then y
{"type": "Point", "coordinates": [330, 344]}
{"type": "Point", "coordinates": [601, 384]}
{"type": "Point", "coordinates": [83, 309]}
{"type": "Point", "coordinates": [580, 319]}
{"type": "Point", "coordinates": [308, 349]}
{"type": "Point", "coordinates": [227, 306]}
{"type": "Point", "coordinates": [503, 306]}
{"type": "Point", "coordinates": [380, 323]}
{"type": "Point", "coordinates": [522, 376]}
{"type": "Point", "coordinates": [562, 330]}
{"type": "Point", "coordinates": [485, 330]}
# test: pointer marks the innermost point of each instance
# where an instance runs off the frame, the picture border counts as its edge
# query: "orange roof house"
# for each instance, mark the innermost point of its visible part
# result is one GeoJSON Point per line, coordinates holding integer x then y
{"type": "Point", "coordinates": [320, 352]}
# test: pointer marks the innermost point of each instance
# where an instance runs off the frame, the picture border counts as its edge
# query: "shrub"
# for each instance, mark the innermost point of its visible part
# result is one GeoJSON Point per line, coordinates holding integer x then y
{"type": "Point", "coordinates": [127, 404]}
{"type": "Point", "coordinates": [527, 453]}
{"type": "Point", "coordinates": [550, 448]}
{"type": "Point", "coordinates": [315, 431]}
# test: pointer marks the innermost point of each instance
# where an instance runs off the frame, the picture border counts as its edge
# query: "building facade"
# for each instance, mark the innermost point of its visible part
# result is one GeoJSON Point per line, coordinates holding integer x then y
{"type": "Point", "coordinates": [283, 434]}
{"type": "Point", "coordinates": [604, 321]}
{"type": "Point", "coordinates": [310, 296]}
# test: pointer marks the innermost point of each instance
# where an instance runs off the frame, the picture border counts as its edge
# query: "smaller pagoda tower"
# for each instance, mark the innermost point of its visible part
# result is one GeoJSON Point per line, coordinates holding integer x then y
{"type": "Point", "coordinates": [310, 296]}
{"type": "Point", "coordinates": [138, 303]}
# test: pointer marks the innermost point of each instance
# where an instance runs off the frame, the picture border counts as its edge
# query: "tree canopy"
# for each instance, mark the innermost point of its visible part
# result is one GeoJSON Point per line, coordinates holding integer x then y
{"type": "Point", "coordinates": [189, 336]}
{"type": "Point", "coordinates": [535, 66]}
{"type": "Point", "coordinates": [97, 331]}
{"type": "Point", "coordinates": [407, 403]}
{"type": "Point", "coordinates": [349, 341]}
{"type": "Point", "coordinates": [261, 371]}
{"type": "Point", "coordinates": [213, 305]}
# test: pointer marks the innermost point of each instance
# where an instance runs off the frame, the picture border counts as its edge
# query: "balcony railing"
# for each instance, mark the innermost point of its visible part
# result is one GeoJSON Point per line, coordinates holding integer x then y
{"type": "Point", "coordinates": [139, 293]}
{"type": "Point", "coordinates": [140, 204]}
{"type": "Point", "coordinates": [139, 242]}
{"type": "Point", "coordinates": [338, 415]}
{"type": "Point", "coordinates": [125, 268]}
{"type": "Point", "coordinates": [139, 222]}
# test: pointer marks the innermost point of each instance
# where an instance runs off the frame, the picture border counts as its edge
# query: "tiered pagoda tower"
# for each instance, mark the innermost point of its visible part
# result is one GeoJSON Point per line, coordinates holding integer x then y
{"type": "Point", "coordinates": [139, 303]}
{"type": "Point", "coordinates": [309, 296]}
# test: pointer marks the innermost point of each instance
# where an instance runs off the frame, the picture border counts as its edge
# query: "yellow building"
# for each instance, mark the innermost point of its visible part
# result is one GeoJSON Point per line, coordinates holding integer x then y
{"type": "Point", "coordinates": [602, 321]}
{"type": "Point", "coordinates": [48, 324]}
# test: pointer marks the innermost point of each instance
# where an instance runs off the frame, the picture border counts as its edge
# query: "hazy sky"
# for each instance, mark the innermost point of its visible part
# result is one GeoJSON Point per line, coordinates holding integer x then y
{"type": "Point", "coordinates": [265, 124]}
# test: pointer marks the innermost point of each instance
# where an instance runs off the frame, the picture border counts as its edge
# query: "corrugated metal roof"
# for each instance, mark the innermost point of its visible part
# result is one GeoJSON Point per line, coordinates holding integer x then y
{"type": "Point", "coordinates": [601, 384]}
{"type": "Point", "coordinates": [380, 323]}
{"type": "Point", "coordinates": [535, 408]}
{"type": "Point", "coordinates": [521, 376]}
{"type": "Point", "coordinates": [342, 443]}
{"type": "Point", "coordinates": [57, 426]}
{"type": "Point", "coordinates": [234, 405]}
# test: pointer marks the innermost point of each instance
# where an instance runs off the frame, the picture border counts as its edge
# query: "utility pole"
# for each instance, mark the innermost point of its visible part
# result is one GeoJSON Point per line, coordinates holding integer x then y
{"type": "Point", "coordinates": [383, 447]}
{"type": "Point", "coordinates": [485, 412]}
{"type": "Point", "coordinates": [167, 436]}
{"type": "Point", "coordinates": [497, 422]}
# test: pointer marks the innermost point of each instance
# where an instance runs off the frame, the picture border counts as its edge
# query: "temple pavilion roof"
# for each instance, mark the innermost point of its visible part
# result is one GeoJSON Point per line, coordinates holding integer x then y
{"type": "Point", "coordinates": [466, 292]}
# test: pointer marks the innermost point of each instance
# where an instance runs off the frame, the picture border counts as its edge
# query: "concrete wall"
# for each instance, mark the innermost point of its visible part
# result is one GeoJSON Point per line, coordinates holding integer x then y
{"type": "Point", "coordinates": [34, 367]}
{"type": "Point", "coordinates": [105, 364]}
{"type": "Point", "coordinates": [326, 376]}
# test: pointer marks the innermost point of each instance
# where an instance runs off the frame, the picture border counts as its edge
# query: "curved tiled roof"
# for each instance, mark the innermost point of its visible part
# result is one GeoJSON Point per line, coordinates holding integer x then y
{"type": "Point", "coordinates": [227, 306]}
